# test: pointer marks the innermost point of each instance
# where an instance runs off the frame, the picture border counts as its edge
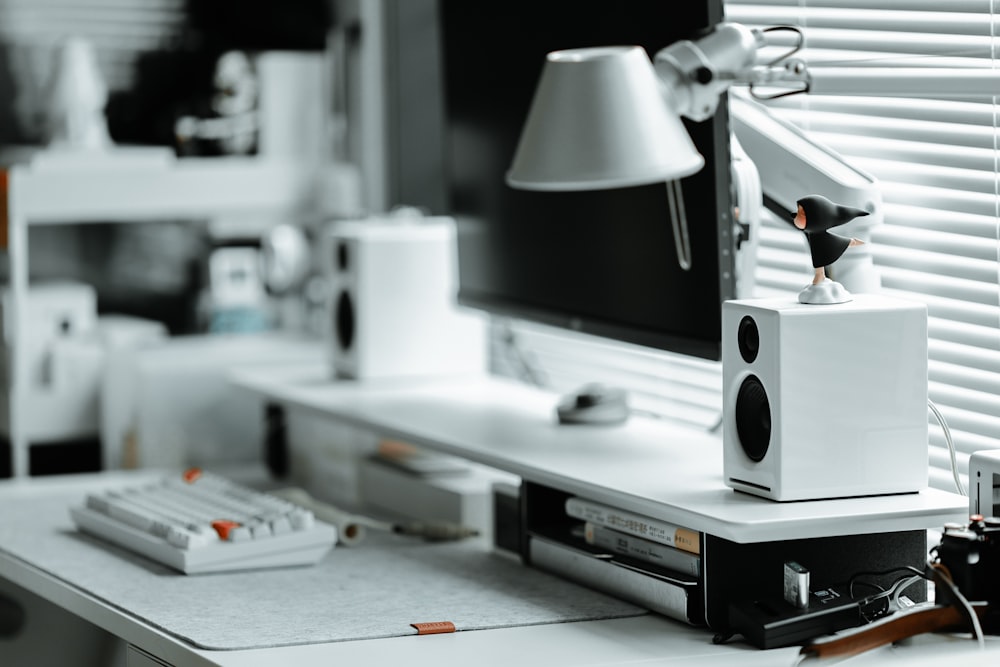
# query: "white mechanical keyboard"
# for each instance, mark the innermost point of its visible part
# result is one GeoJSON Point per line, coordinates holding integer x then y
{"type": "Point", "coordinates": [199, 522]}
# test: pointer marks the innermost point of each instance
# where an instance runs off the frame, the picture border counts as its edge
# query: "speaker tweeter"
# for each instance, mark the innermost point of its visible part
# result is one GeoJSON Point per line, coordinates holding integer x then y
{"type": "Point", "coordinates": [748, 337]}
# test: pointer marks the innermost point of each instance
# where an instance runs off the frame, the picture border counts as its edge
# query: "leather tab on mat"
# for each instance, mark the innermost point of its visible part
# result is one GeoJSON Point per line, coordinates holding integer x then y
{"type": "Point", "coordinates": [435, 628]}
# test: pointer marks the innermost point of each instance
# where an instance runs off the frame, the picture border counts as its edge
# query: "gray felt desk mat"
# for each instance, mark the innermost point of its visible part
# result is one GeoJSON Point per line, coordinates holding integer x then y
{"type": "Point", "coordinates": [373, 590]}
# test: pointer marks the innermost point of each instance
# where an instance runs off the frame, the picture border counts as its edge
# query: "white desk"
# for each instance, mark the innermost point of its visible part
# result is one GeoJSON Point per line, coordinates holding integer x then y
{"type": "Point", "coordinates": [637, 638]}
{"type": "Point", "coordinates": [510, 427]}
{"type": "Point", "coordinates": [640, 640]}
{"type": "Point", "coordinates": [651, 467]}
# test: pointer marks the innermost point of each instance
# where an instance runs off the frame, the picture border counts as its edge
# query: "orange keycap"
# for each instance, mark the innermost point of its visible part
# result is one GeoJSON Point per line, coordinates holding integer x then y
{"type": "Point", "coordinates": [192, 474]}
{"type": "Point", "coordinates": [224, 526]}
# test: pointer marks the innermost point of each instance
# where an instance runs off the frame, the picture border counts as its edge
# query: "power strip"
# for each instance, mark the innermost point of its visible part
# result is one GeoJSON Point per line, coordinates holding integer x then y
{"type": "Point", "coordinates": [772, 623]}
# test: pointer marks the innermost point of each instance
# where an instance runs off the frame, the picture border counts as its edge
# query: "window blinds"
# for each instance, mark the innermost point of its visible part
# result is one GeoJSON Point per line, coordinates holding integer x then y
{"type": "Point", "coordinates": [936, 161]}
{"type": "Point", "coordinates": [119, 30]}
{"type": "Point", "coordinates": [31, 32]}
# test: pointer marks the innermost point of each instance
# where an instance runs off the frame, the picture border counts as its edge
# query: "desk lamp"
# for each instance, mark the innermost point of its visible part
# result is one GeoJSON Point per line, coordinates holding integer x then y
{"type": "Point", "coordinates": [606, 117]}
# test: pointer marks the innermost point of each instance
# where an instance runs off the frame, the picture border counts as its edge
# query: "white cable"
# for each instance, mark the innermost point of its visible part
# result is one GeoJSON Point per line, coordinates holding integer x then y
{"type": "Point", "coordinates": [717, 424]}
{"type": "Point", "coordinates": [528, 371]}
{"type": "Point", "coordinates": [350, 528]}
{"type": "Point", "coordinates": [951, 447]}
{"type": "Point", "coordinates": [897, 590]}
{"type": "Point", "coordinates": [977, 628]}
{"type": "Point", "coordinates": [944, 577]}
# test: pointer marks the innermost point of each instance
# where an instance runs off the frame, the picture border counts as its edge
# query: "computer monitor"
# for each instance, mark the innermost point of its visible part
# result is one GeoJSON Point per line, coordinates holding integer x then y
{"type": "Point", "coordinates": [601, 262]}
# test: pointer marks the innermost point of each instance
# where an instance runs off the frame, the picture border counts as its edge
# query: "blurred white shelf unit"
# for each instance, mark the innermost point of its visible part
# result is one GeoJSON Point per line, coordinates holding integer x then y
{"type": "Point", "coordinates": [139, 184]}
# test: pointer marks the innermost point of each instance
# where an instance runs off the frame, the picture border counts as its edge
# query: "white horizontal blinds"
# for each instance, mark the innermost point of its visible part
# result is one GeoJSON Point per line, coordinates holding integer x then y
{"type": "Point", "coordinates": [119, 30]}
{"type": "Point", "coordinates": [936, 161]}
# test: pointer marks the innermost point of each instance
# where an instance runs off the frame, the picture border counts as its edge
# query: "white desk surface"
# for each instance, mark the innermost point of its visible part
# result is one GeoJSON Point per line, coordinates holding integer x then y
{"type": "Point", "coordinates": [650, 466]}
{"type": "Point", "coordinates": [641, 640]}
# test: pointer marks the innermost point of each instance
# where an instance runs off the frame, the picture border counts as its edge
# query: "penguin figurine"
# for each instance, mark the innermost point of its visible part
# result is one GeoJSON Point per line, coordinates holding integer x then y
{"type": "Point", "coordinates": [816, 215]}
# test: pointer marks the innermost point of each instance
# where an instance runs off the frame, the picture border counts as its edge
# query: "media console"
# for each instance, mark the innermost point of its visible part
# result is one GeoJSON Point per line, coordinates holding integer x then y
{"type": "Point", "coordinates": [655, 468]}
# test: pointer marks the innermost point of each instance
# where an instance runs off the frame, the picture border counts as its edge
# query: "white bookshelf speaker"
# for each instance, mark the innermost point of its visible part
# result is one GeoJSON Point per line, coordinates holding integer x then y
{"type": "Point", "coordinates": [393, 309]}
{"type": "Point", "coordinates": [824, 401]}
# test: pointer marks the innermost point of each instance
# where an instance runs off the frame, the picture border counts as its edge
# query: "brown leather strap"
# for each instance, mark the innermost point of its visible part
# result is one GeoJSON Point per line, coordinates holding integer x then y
{"type": "Point", "coordinates": [4, 209]}
{"type": "Point", "coordinates": [892, 629]}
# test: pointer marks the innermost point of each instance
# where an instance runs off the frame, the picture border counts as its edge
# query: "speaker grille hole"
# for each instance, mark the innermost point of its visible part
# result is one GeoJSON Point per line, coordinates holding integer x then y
{"type": "Point", "coordinates": [344, 321]}
{"type": "Point", "coordinates": [753, 418]}
{"type": "Point", "coordinates": [343, 257]}
{"type": "Point", "coordinates": [748, 338]}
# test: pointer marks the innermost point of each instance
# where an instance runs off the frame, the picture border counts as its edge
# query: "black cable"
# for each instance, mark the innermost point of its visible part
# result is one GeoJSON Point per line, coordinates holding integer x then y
{"type": "Point", "coordinates": [795, 49]}
{"type": "Point", "coordinates": [902, 568]}
{"type": "Point", "coordinates": [850, 588]}
{"type": "Point", "coordinates": [887, 601]}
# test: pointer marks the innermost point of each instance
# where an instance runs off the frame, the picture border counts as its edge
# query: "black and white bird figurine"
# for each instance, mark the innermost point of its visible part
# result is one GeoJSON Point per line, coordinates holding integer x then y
{"type": "Point", "coordinates": [815, 216]}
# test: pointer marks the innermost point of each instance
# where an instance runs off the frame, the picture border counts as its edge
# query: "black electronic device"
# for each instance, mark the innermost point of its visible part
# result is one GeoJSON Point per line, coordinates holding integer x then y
{"type": "Point", "coordinates": [600, 262]}
{"type": "Point", "coordinates": [774, 622]}
{"type": "Point", "coordinates": [594, 404]}
{"type": "Point", "coordinates": [971, 555]}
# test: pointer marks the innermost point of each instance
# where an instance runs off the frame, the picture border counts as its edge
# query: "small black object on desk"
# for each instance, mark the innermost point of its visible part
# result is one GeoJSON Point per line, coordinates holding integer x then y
{"type": "Point", "coordinates": [594, 404]}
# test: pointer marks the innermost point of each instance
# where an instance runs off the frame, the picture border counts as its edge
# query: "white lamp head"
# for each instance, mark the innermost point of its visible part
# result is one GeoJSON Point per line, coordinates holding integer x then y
{"type": "Point", "coordinates": [599, 120]}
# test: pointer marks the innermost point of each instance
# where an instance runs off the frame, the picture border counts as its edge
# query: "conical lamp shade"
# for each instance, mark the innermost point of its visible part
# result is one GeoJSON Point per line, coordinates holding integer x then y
{"type": "Point", "coordinates": [598, 120]}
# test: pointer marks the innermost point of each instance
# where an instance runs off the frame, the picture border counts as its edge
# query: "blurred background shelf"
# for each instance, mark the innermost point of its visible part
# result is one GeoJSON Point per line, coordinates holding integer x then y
{"type": "Point", "coordinates": [147, 184]}
{"type": "Point", "coordinates": [240, 195]}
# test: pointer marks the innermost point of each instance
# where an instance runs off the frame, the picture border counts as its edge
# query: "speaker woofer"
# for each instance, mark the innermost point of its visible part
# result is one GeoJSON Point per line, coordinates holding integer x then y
{"type": "Point", "coordinates": [753, 418]}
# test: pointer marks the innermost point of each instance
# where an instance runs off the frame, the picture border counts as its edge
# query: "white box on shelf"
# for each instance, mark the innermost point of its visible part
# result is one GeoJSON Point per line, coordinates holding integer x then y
{"type": "Point", "coordinates": [67, 409]}
{"type": "Point", "coordinates": [62, 363]}
{"type": "Point", "coordinates": [69, 404]}
{"type": "Point", "coordinates": [463, 496]}
{"type": "Point", "coordinates": [984, 483]}
{"type": "Point", "coordinates": [55, 311]}
{"type": "Point", "coordinates": [178, 408]}
{"type": "Point", "coordinates": [323, 454]}
{"type": "Point", "coordinates": [294, 86]}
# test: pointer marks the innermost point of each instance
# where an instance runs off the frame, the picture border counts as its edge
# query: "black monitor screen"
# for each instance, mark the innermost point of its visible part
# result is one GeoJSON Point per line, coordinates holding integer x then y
{"type": "Point", "coordinates": [600, 262]}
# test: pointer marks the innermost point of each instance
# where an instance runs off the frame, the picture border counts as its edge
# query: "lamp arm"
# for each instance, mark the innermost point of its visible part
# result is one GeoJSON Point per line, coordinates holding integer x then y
{"type": "Point", "coordinates": [945, 82]}
{"type": "Point", "coordinates": [793, 164]}
{"type": "Point", "coordinates": [694, 74]}
{"type": "Point", "coordinates": [796, 164]}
